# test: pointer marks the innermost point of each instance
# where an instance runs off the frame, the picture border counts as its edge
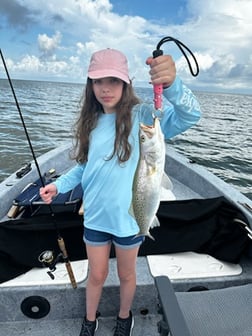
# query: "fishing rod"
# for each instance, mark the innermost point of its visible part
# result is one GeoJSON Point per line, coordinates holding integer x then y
{"type": "Point", "coordinates": [158, 88]}
{"type": "Point", "coordinates": [60, 239]}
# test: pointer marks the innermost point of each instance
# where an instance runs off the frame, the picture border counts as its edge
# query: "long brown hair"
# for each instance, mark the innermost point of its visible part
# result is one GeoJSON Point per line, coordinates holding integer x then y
{"type": "Point", "coordinates": [89, 114]}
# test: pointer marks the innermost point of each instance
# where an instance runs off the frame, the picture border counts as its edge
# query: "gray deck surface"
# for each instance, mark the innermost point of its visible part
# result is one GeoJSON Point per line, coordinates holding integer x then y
{"type": "Point", "coordinates": [144, 326]}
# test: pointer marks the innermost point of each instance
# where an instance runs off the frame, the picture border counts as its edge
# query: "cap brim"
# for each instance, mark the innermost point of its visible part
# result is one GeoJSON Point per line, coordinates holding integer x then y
{"type": "Point", "coordinates": [108, 73]}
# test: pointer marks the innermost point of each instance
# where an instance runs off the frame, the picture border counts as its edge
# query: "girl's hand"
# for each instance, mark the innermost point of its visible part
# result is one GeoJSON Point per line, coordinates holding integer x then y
{"type": "Point", "coordinates": [163, 70]}
{"type": "Point", "coordinates": [48, 192]}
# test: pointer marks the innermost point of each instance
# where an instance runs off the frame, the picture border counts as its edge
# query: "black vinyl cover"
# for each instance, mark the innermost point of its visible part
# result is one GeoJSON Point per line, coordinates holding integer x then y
{"type": "Point", "coordinates": [199, 225]}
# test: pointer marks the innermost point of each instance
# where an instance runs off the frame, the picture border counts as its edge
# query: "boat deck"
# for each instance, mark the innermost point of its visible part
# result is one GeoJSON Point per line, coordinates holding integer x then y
{"type": "Point", "coordinates": [144, 325]}
{"type": "Point", "coordinates": [68, 305]}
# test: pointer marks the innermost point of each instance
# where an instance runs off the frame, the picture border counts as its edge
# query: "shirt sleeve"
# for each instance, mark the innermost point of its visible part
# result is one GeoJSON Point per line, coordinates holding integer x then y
{"type": "Point", "coordinates": [180, 110]}
{"type": "Point", "coordinates": [71, 179]}
{"type": "Point", "coordinates": [186, 110]}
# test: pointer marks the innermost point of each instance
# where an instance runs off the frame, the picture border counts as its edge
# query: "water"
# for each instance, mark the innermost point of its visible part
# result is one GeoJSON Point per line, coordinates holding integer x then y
{"type": "Point", "coordinates": [221, 141]}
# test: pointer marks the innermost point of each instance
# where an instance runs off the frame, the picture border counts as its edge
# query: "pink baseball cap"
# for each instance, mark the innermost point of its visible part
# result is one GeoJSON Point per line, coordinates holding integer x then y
{"type": "Point", "coordinates": [108, 63]}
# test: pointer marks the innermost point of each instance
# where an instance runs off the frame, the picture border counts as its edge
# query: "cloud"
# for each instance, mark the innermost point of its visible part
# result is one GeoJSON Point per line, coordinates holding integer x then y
{"type": "Point", "coordinates": [218, 32]}
{"type": "Point", "coordinates": [48, 45]}
{"type": "Point", "coordinates": [16, 14]}
{"type": "Point", "coordinates": [45, 69]}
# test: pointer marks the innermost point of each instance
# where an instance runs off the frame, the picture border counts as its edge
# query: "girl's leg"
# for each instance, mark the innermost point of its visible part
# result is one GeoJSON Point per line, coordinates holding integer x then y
{"type": "Point", "coordinates": [126, 266]}
{"type": "Point", "coordinates": [98, 257]}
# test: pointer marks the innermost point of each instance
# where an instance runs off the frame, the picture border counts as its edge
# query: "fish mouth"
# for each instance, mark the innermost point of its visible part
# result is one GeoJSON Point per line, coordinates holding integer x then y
{"type": "Point", "coordinates": [149, 130]}
{"type": "Point", "coordinates": [148, 127]}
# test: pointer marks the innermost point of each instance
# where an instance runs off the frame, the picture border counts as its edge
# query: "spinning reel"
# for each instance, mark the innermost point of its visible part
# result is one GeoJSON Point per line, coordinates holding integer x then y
{"type": "Point", "coordinates": [49, 260]}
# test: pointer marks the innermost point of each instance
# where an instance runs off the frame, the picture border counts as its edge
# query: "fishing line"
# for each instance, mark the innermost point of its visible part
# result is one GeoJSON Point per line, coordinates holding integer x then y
{"type": "Point", "coordinates": [60, 239]}
{"type": "Point", "coordinates": [158, 88]}
{"type": "Point", "coordinates": [27, 134]}
{"type": "Point", "coordinates": [22, 120]}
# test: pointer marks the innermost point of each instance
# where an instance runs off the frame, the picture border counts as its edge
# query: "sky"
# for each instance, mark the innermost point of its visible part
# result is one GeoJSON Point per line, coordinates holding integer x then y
{"type": "Point", "coordinates": [53, 40]}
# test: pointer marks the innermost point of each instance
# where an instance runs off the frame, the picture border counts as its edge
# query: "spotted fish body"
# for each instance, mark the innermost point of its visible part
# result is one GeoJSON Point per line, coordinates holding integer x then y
{"type": "Point", "coordinates": [148, 177]}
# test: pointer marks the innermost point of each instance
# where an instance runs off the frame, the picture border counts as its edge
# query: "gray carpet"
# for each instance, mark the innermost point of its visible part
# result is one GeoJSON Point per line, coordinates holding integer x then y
{"type": "Point", "coordinates": [144, 326]}
{"type": "Point", "coordinates": [220, 312]}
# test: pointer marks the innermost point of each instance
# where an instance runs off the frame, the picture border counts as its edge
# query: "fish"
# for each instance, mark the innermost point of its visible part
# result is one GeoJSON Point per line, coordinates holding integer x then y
{"type": "Point", "coordinates": [149, 177]}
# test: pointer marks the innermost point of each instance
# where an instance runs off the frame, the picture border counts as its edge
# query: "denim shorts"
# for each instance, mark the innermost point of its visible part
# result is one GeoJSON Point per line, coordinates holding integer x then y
{"type": "Point", "coordinates": [99, 238]}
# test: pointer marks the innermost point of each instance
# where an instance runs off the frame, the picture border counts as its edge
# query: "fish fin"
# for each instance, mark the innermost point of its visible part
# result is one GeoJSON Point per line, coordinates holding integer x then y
{"type": "Point", "coordinates": [131, 210]}
{"type": "Point", "coordinates": [166, 182]}
{"type": "Point", "coordinates": [155, 222]}
{"type": "Point", "coordinates": [150, 236]}
{"type": "Point", "coordinates": [166, 195]}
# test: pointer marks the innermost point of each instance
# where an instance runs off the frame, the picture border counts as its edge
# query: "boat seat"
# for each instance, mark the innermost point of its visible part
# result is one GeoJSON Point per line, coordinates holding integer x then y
{"type": "Point", "coordinates": [39, 276]}
{"type": "Point", "coordinates": [218, 312]}
{"type": "Point", "coordinates": [190, 265]}
{"type": "Point", "coordinates": [29, 203]}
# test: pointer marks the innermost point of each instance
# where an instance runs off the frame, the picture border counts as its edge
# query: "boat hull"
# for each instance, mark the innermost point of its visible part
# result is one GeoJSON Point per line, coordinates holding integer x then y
{"type": "Point", "coordinates": [37, 305]}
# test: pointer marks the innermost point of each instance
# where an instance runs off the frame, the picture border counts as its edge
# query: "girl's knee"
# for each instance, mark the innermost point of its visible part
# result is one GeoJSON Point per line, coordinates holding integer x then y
{"type": "Point", "coordinates": [98, 277]}
{"type": "Point", "coordinates": [126, 276]}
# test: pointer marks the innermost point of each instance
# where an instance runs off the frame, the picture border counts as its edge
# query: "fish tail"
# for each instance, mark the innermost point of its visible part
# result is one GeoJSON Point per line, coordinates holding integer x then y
{"type": "Point", "coordinates": [138, 235]}
{"type": "Point", "coordinates": [142, 234]}
{"type": "Point", "coordinates": [150, 236]}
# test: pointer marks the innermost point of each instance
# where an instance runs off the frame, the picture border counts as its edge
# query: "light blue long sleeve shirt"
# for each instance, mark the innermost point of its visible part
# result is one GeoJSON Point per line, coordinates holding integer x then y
{"type": "Point", "coordinates": [107, 184]}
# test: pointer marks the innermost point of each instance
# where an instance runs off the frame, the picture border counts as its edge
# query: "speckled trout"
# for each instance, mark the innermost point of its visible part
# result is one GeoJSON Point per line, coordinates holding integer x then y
{"type": "Point", "coordinates": [148, 177]}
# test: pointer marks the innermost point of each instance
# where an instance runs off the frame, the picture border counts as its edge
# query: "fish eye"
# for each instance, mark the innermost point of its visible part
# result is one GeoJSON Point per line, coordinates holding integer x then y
{"type": "Point", "coordinates": [142, 138]}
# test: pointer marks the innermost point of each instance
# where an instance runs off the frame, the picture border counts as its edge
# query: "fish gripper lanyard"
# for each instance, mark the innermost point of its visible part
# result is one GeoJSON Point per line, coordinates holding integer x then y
{"type": "Point", "coordinates": [158, 88]}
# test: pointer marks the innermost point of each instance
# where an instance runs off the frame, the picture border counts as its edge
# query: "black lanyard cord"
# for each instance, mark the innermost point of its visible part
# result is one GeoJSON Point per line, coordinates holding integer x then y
{"type": "Point", "coordinates": [183, 48]}
{"type": "Point", "coordinates": [158, 88]}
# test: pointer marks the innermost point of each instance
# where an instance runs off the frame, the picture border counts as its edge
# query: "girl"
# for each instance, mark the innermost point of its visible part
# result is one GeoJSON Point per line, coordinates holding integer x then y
{"type": "Point", "coordinates": [107, 153]}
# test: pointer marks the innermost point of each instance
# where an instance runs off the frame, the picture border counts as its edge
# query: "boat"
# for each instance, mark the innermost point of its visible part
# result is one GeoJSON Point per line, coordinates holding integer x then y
{"type": "Point", "coordinates": [202, 247]}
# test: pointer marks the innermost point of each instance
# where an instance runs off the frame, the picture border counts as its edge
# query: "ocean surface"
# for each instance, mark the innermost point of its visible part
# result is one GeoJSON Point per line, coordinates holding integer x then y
{"type": "Point", "coordinates": [221, 141]}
